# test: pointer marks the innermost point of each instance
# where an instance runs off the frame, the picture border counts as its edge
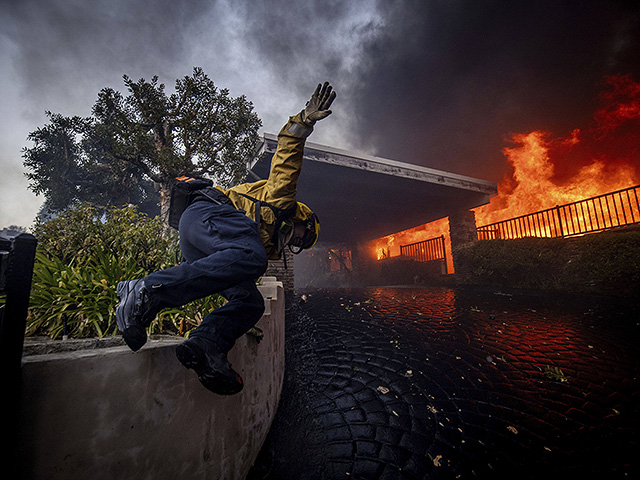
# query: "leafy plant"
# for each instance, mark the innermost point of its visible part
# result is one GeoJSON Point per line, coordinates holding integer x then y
{"type": "Point", "coordinates": [80, 296]}
{"type": "Point", "coordinates": [125, 232]}
{"type": "Point", "coordinates": [81, 257]}
{"type": "Point", "coordinates": [184, 319]}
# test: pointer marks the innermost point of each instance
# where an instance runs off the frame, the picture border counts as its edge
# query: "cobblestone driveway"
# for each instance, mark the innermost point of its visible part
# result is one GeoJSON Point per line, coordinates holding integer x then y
{"type": "Point", "coordinates": [413, 383]}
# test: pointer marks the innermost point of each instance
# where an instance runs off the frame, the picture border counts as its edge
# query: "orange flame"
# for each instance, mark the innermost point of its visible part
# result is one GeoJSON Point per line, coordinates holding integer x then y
{"type": "Point", "coordinates": [536, 189]}
{"type": "Point", "coordinates": [551, 171]}
{"type": "Point", "coordinates": [389, 246]}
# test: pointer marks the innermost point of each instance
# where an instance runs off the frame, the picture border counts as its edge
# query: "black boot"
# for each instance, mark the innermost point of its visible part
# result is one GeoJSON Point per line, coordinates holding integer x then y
{"type": "Point", "coordinates": [134, 313]}
{"type": "Point", "coordinates": [210, 364]}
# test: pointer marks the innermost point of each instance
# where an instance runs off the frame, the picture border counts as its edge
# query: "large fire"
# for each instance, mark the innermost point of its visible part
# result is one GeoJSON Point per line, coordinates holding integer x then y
{"type": "Point", "coordinates": [389, 246]}
{"type": "Point", "coordinates": [549, 171]}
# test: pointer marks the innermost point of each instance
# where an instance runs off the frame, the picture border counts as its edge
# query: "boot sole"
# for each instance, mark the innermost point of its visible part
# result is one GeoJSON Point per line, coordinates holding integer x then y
{"type": "Point", "coordinates": [212, 380]}
{"type": "Point", "coordinates": [188, 357]}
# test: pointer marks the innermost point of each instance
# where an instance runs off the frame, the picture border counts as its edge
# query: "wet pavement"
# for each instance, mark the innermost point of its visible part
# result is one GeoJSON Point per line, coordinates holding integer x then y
{"type": "Point", "coordinates": [421, 383]}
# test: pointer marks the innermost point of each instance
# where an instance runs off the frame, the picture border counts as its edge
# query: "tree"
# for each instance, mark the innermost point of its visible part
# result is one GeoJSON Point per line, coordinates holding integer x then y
{"type": "Point", "coordinates": [132, 147]}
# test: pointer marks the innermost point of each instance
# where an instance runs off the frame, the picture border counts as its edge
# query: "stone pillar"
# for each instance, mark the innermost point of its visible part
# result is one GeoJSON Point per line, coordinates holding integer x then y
{"type": "Point", "coordinates": [284, 275]}
{"type": "Point", "coordinates": [462, 229]}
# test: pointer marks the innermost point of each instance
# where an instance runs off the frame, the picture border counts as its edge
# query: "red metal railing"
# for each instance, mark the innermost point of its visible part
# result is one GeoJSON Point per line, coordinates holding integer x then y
{"type": "Point", "coordinates": [604, 212]}
{"type": "Point", "coordinates": [426, 250]}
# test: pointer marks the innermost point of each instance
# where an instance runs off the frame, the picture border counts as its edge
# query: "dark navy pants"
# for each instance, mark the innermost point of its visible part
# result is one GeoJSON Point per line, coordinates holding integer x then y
{"type": "Point", "coordinates": [224, 255]}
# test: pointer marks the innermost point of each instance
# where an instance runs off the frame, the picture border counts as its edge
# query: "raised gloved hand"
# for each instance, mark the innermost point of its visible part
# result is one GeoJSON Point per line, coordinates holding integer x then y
{"type": "Point", "coordinates": [317, 107]}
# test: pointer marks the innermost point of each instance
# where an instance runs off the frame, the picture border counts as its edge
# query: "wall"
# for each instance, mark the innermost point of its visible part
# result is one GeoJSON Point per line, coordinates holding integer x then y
{"type": "Point", "coordinates": [110, 413]}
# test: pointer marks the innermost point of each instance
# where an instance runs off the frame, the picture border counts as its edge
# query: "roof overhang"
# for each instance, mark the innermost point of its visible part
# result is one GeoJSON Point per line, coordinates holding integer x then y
{"type": "Point", "coordinates": [360, 197]}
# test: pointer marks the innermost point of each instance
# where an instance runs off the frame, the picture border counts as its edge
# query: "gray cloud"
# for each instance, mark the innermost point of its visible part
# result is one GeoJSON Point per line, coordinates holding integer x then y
{"type": "Point", "coordinates": [57, 55]}
{"type": "Point", "coordinates": [70, 47]}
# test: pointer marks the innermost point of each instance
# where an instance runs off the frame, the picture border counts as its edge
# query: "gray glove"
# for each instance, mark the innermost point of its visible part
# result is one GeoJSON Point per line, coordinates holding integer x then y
{"type": "Point", "coordinates": [317, 107]}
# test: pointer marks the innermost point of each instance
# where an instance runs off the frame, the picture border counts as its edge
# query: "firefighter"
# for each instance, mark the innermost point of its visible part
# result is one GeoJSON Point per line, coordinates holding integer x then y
{"type": "Point", "coordinates": [226, 238]}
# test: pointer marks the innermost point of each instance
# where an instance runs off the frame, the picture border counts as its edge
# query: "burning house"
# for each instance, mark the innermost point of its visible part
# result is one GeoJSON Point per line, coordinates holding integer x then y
{"type": "Point", "coordinates": [360, 197]}
{"type": "Point", "coordinates": [376, 209]}
{"type": "Point", "coordinates": [587, 181]}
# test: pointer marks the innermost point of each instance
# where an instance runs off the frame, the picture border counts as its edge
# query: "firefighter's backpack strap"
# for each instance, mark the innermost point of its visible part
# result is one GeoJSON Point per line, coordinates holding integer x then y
{"type": "Point", "coordinates": [282, 214]}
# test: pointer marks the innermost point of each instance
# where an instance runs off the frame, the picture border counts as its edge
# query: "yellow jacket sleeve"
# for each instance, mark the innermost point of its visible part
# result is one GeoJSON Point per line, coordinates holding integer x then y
{"type": "Point", "coordinates": [280, 188]}
{"type": "Point", "coordinates": [286, 164]}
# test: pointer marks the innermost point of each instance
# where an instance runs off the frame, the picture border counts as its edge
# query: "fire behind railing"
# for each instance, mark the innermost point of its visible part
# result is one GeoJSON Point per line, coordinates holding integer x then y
{"type": "Point", "coordinates": [426, 250]}
{"type": "Point", "coordinates": [594, 214]}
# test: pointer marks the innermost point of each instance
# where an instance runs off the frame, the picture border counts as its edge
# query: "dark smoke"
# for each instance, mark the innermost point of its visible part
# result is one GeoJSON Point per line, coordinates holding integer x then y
{"type": "Point", "coordinates": [308, 42]}
{"type": "Point", "coordinates": [445, 84]}
{"type": "Point", "coordinates": [438, 83]}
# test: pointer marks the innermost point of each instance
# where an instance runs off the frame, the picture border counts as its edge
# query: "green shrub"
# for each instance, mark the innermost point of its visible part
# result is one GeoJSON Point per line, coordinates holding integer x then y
{"type": "Point", "coordinates": [603, 263]}
{"type": "Point", "coordinates": [81, 257]}
{"type": "Point", "coordinates": [607, 263]}
{"type": "Point", "coordinates": [520, 263]}
{"type": "Point", "coordinates": [83, 229]}
{"type": "Point", "coordinates": [80, 294]}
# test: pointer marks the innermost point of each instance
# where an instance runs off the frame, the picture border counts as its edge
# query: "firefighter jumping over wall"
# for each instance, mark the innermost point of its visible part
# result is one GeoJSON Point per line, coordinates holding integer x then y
{"type": "Point", "coordinates": [226, 238]}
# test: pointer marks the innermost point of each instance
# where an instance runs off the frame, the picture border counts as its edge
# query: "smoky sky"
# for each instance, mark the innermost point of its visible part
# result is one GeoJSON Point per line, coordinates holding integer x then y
{"type": "Point", "coordinates": [69, 43]}
{"type": "Point", "coordinates": [440, 83]}
{"type": "Point", "coordinates": [446, 83]}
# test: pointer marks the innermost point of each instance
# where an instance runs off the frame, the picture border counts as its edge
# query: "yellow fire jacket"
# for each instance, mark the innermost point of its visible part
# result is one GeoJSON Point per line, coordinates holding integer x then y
{"type": "Point", "coordinates": [280, 188]}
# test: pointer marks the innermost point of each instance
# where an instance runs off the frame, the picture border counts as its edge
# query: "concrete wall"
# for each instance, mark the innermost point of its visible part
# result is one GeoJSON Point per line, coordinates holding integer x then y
{"type": "Point", "coordinates": [110, 413]}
